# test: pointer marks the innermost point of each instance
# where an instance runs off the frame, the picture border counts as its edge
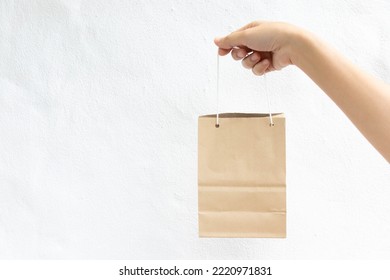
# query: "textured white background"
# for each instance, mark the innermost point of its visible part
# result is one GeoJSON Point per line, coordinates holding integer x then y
{"type": "Point", "coordinates": [98, 129]}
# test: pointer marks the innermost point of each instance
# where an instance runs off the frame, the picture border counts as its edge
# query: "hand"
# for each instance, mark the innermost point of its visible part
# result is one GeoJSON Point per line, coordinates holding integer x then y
{"type": "Point", "coordinates": [267, 46]}
{"type": "Point", "coordinates": [262, 46]}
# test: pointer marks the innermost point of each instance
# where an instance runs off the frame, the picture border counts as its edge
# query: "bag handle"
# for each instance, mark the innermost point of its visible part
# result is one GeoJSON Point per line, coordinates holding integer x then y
{"type": "Point", "coordinates": [271, 121]}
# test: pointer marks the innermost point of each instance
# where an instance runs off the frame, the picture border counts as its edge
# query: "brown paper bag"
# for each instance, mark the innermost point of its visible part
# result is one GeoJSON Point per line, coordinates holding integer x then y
{"type": "Point", "coordinates": [242, 176]}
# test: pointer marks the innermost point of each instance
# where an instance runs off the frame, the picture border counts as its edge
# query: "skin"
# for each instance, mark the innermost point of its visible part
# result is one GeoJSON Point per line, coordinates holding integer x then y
{"type": "Point", "coordinates": [268, 46]}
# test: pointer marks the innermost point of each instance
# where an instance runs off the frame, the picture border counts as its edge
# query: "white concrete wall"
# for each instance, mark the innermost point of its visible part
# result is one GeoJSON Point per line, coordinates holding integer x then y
{"type": "Point", "coordinates": [98, 129]}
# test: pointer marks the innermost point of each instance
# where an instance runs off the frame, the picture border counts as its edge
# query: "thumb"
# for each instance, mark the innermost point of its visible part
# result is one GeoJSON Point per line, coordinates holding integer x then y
{"type": "Point", "coordinates": [234, 39]}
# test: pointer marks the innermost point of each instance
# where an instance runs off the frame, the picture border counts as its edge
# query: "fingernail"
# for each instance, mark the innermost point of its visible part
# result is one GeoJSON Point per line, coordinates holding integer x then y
{"type": "Point", "coordinates": [240, 54]}
{"type": "Point", "coordinates": [264, 62]}
{"type": "Point", "coordinates": [254, 57]}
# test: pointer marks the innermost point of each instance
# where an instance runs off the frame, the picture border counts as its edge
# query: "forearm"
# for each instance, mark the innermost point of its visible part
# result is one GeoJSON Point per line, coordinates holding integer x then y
{"type": "Point", "coordinates": [364, 99]}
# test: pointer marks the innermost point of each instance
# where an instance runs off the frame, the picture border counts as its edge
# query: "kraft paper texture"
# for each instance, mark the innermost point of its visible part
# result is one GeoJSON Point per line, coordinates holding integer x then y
{"type": "Point", "coordinates": [242, 176]}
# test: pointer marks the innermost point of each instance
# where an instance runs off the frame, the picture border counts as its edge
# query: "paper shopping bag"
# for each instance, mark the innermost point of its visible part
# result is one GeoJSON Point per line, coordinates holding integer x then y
{"type": "Point", "coordinates": [242, 176]}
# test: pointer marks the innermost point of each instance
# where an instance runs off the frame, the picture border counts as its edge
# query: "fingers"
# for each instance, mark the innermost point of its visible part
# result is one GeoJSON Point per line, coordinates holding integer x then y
{"type": "Point", "coordinates": [230, 41]}
{"type": "Point", "coordinates": [237, 42]}
{"type": "Point", "coordinates": [237, 38]}
{"type": "Point", "coordinates": [234, 39]}
{"type": "Point", "coordinates": [260, 63]}
{"type": "Point", "coordinates": [223, 52]}
{"type": "Point", "coordinates": [261, 67]}
{"type": "Point", "coordinates": [251, 60]}
{"type": "Point", "coordinates": [240, 53]}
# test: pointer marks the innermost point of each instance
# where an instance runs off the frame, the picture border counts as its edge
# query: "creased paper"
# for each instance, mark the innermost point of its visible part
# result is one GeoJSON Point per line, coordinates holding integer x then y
{"type": "Point", "coordinates": [242, 176]}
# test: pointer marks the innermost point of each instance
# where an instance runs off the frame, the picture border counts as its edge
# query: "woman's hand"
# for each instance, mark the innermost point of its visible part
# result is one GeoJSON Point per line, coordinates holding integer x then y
{"type": "Point", "coordinates": [262, 46]}
{"type": "Point", "coordinates": [267, 46]}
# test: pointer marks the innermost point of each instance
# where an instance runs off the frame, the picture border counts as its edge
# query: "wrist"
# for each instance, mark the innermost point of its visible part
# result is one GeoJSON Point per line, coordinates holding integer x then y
{"type": "Point", "coordinates": [300, 44]}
